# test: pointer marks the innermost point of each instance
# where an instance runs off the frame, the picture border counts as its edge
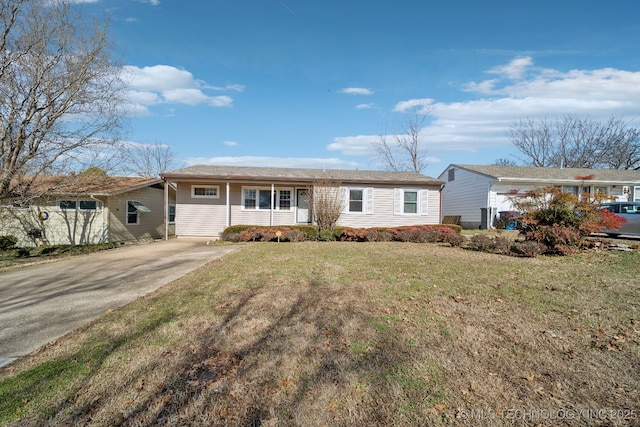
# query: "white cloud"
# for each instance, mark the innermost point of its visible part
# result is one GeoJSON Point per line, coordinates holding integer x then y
{"type": "Point", "coordinates": [356, 91]}
{"type": "Point", "coordinates": [515, 69]}
{"type": "Point", "coordinates": [276, 162]}
{"type": "Point", "coordinates": [165, 84]}
{"type": "Point", "coordinates": [422, 105]}
{"type": "Point", "coordinates": [231, 143]}
{"type": "Point", "coordinates": [365, 106]}
{"type": "Point", "coordinates": [516, 90]}
{"type": "Point", "coordinates": [353, 145]}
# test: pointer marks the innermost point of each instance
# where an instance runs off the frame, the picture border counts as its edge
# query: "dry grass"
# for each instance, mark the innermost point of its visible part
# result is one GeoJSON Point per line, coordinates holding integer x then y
{"type": "Point", "coordinates": [352, 334]}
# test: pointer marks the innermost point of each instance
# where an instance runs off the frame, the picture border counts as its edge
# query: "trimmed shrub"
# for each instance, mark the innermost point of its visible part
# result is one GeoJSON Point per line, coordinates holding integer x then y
{"type": "Point", "coordinates": [257, 233]}
{"type": "Point", "coordinates": [481, 242]}
{"type": "Point", "coordinates": [378, 236]}
{"type": "Point", "coordinates": [7, 242]}
{"type": "Point", "coordinates": [455, 239]}
{"type": "Point", "coordinates": [293, 235]}
{"type": "Point", "coordinates": [326, 236]}
{"type": "Point", "coordinates": [530, 248]}
{"type": "Point", "coordinates": [501, 245]}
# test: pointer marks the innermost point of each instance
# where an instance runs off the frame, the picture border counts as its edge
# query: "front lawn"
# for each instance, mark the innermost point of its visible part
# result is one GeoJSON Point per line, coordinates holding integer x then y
{"type": "Point", "coordinates": [353, 334]}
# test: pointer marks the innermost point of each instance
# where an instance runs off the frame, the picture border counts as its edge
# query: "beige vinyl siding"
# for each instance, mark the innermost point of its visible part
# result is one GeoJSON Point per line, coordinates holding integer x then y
{"type": "Point", "coordinates": [61, 227]}
{"type": "Point", "coordinates": [465, 196]}
{"type": "Point", "coordinates": [383, 214]}
{"type": "Point", "coordinates": [201, 216]}
{"type": "Point", "coordinates": [151, 224]}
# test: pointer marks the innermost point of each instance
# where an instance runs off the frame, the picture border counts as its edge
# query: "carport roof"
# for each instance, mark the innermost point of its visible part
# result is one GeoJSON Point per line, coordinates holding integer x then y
{"type": "Point", "coordinates": [264, 174]}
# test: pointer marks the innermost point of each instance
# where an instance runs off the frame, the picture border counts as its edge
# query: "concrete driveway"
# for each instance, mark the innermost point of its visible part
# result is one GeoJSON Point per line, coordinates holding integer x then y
{"type": "Point", "coordinates": [45, 301]}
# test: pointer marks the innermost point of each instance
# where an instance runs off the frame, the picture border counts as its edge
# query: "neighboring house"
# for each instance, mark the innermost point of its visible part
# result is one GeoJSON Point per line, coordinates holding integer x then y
{"type": "Point", "coordinates": [89, 209]}
{"type": "Point", "coordinates": [210, 198]}
{"type": "Point", "coordinates": [477, 194]}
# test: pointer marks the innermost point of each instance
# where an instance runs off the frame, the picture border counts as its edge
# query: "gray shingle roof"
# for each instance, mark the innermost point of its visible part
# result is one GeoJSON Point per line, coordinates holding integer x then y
{"type": "Point", "coordinates": [209, 172]}
{"type": "Point", "coordinates": [553, 174]}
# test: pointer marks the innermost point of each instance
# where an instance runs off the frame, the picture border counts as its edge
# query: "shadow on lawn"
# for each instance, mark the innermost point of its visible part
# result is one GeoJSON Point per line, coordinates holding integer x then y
{"type": "Point", "coordinates": [300, 369]}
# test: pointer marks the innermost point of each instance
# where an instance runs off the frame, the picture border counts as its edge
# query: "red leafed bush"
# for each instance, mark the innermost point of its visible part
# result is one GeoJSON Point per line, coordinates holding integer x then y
{"type": "Point", "coordinates": [560, 220]}
{"type": "Point", "coordinates": [415, 234]}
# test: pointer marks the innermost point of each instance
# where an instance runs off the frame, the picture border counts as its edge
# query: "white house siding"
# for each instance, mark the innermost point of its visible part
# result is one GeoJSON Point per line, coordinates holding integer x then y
{"type": "Point", "coordinates": [208, 217]}
{"type": "Point", "coordinates": [465, 196]}
{"type": "Point", "coordinates": [383, 210]}
{"type": "Point", "coordinates": [199, 217]}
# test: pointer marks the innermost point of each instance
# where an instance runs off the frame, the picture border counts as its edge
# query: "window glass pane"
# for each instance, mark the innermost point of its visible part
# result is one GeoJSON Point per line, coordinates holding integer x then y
{"type": "Point", "coordinates": [411, 202]}
{"type": "Point", "coordinates": [88, 205]}
{"type": "Point", "coordinates": [67, 204]}
{"type": "Point", "coordinates": [132, 213]}
{"type": "Point", "coordinates": [355, 200]}
{"type": "Point", "coordinates": [249, 198]}
{"type": "Point", "coordinates": [265, 199]}
{"type": "Point", "coordinates": [172, 213]}
{"type": "Point", "coordinates": [285, 200]}
{"type": "Point", "coordinates": [205, 191]}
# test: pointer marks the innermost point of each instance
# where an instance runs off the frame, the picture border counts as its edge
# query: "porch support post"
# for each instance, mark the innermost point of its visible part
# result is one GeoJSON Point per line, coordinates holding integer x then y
{"type": "Point", "coordinates": [165, 212]}
{"type": "Point", "coordinates": [273, 196]}
{"type": "Point", "coordinates": [228, 220]}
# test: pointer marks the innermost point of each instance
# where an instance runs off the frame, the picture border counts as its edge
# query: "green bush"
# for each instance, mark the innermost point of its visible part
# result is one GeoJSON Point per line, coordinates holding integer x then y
{"type": "Point", "coordinates": [326, 236]}
{"type": "Point", "coordinates": [7, 242]}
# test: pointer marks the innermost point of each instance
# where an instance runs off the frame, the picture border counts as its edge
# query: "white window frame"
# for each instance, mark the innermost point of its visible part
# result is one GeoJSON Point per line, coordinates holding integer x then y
{"type": "Point", "coordinates": [171, 205]}
{"type": "Point", "coordinates": [126, 221]}
{"type": "Point", "coordinates": [205, 196]}
{"type": "Point", "coordinates": [422, 207]}
{"type": "Point", "coordinates": [363, 201]}
{"type": "Point", "coordinates": [275, 199]}
{"type": "Point", "coordinates": [404, 202]}
{"type": "Point", "coordinates": [76, 207]}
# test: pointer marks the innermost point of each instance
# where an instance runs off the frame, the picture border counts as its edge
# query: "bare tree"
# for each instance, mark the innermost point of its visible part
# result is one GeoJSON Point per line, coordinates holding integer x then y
{"type": "Point", "coordinates": [149, 160]}
{"type": "Point", "coordinates": [580, 142]}
{"type": "Point", "coordinates": [503, 161]}
{"type": "Point", "coordinates": [404, 150]}
{"type": "Point", "coordinates": [60, 93]}
{"type": "Point", "coordinates": [326, 202]}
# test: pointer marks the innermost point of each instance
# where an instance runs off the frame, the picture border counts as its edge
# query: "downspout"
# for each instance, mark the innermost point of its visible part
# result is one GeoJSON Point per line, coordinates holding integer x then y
{"type": "Point", "coordinates": [165, 210]}
{"type": "Point", "coordinates": [102, 228]}
{"type": "Point", "coordinates": [440, 207]}
{"type": "Point", "coordinates": [228, 201]}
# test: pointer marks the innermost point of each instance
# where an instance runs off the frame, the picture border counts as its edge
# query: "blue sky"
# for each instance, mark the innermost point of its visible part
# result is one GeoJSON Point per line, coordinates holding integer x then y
{"type": "Point", "coordinates": [300, 83]}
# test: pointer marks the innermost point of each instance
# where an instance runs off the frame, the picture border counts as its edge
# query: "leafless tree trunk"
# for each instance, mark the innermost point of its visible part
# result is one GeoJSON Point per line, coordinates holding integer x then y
{"type": "Point", "coordinates": [60, 94]}
{"type": "Point", "coordinates": [404, 150]}
{"type": "Point", "coordinates": [579, 142]}
{"type": "Point", "coordinates": [326, 202]}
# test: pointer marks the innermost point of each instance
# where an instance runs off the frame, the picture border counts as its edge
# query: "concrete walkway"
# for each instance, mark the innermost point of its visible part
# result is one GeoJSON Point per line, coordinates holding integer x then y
{"type": "Point", "coordinates": [43, 302]}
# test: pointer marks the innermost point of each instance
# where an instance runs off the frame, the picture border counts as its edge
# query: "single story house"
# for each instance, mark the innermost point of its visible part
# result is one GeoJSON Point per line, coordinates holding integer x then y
{"type": "Point", "coordinates": [89, 209]}
{"type": "Point", "coordinates": [210, 198]}
{"type": "Point", "coordinates": [477, 194]}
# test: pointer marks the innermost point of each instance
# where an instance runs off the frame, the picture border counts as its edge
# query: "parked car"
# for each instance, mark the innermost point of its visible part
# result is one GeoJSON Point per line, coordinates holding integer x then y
{"type": "Point", "coordinates": [627, 210]}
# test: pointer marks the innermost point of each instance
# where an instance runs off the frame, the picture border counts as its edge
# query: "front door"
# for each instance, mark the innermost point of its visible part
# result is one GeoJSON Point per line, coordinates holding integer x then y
{"type": "Point", "coordinates": [302, 206]}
